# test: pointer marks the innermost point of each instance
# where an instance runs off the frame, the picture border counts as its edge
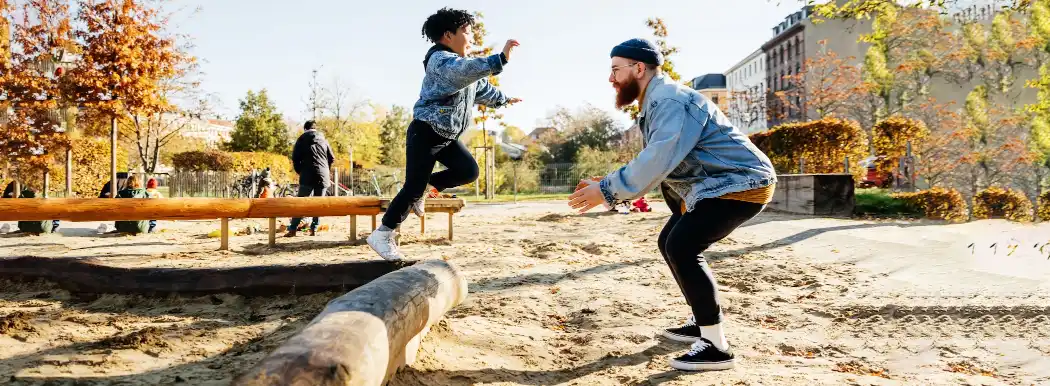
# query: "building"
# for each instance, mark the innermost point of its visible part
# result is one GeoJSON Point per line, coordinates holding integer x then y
{"type": "Point", "coordinates": [785, 55]}
{"type": "Point", "coordinates": [746, 85]}
{"type": "Point", "coordinates": [212, 131]}
{"type": "Point", "coordinates": [713, 86]}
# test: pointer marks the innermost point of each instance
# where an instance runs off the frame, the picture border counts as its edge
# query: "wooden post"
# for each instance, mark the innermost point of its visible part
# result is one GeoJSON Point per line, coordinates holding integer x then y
{"type": "Point", "coordinates": [224, 242]}
{"type": "Point", "coordinates": [273, 231]}
{"type": "Point", "coordinates": [373, 223]}
{"type": "Point", "coordinates": [113, 157]}
{"type": "Point", "coordinates": [366, 335]}
{"type": "Point", "coordinates": [353, 228]}
{"type": "Point", "coordinates": [423, 225]}
{"type": "Point", "coordinates": [69, 173]}
{"type": "Point", "coordinates": [47, 183]}
{"type": "Point", "coordinates": [801, 166]}
{"type": "Point", "coordinates": [449, 226]}
{"type": "Point", "coordinates": [335, 185]}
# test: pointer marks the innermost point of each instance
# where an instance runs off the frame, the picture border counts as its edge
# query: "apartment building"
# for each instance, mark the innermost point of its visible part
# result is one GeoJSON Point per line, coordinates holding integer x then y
{"type": "Point", "coordinates": [746, 85]}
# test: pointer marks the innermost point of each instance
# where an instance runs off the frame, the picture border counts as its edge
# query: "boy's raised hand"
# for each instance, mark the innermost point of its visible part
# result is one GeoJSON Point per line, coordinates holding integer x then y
{"type": "Point", "coordinates": [512, 101]}
{"type": "Point", "coordinates": [509, 47]}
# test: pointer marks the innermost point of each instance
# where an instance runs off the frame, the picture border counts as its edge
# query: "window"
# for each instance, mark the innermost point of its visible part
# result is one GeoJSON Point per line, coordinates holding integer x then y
{"type": "Point", "coordinates": [789, 50]}
{"type": "Point", "coordinates": [798, 68]}
{"type": "Point", "coordinates": [798, 47]}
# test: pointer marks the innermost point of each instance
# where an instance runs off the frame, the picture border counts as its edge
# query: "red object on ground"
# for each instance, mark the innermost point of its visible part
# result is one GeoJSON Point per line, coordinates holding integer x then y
{"type": "Point", "coordinates": [642, 205]}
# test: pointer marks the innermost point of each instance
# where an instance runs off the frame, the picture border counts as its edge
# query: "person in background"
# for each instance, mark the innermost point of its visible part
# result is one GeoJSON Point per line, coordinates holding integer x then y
{"type": "Point", "coordinates": [312, 158]}
{"type": "Point", "coordinates": [265, 188]}
{"type": "Point", "coordinates": [152, 192]}
{"type": "Point", "coordinates": [134, 190]}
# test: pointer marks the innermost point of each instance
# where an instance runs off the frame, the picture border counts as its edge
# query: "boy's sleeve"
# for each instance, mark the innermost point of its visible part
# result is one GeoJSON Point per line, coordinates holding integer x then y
{"type": "Point", "coordinates": [668, 146]}
{"type": "Point", "coordinates": [456, 72]}
{"type": "Point", "coordinates": [489, 95]}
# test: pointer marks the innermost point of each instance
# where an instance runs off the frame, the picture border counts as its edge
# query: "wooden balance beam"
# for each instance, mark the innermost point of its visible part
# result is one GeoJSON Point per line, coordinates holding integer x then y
{"type": "Point", "coordinates": [134, 209]}
{"type": "Point", "coordinates": [363, 337]}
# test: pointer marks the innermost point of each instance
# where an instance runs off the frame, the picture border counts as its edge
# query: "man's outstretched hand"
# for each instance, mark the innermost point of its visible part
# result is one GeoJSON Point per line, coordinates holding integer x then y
{"type": "Point", "coordinates": [588, 197]}
{"type": "Point", "coordinates": [509, 47]}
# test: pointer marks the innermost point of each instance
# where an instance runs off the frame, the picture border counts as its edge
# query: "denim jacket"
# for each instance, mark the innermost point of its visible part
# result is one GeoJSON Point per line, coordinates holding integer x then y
{"type": "Point", "coordinates": [452, 85]}
{"type": "Point", "coordinates": [691, 146]}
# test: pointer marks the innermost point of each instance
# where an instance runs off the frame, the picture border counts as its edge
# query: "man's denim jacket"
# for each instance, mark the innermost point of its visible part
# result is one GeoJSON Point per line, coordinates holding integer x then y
{"type": "Point", "coordinates": [690, 145]}
{"type": "Point", "coordinates": [452, 85]}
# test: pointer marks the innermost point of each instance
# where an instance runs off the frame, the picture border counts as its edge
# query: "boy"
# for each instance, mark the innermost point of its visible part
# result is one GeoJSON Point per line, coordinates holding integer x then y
{"type": "Point", "coordinates": [452, 85]}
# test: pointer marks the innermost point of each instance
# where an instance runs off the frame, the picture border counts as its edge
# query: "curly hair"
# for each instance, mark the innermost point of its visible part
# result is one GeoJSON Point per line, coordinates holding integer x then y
{"type": "Point", "coordinates": [446, 20]}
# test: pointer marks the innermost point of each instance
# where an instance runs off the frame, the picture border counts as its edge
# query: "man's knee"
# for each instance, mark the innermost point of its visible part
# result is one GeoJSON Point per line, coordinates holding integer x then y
{"type": "Point", "coordinates": [469, 173]}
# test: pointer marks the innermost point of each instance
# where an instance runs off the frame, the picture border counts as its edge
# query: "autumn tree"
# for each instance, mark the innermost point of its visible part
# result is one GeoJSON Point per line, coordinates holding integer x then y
{"type": "Point", "coordinates": [127, 54]}
{"type": "Point", "coordinates": [993, 152]}
{"type": "Point", "coordinates": [1039, 134]}
{"type": "Point", "coordinates": [394, 135]}
{"type": "Point", "coordinates": [939, 155]}
{"type": "Point", "coordinates": [826, 83]}
{"type": "Point", "coordinates": [259, 127]}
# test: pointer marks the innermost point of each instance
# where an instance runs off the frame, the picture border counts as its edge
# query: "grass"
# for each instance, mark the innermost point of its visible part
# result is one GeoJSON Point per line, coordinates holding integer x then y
{"type": "Point", "coordinates": [880, 203]}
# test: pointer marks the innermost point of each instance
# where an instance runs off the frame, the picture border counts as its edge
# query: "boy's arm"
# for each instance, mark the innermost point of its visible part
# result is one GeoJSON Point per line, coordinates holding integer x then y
{"type": "Point", "coordinates": [489, 95]}
{"type": "Point", "coordinates": [456, 72]}
{"type": "Point", "coordinates": [671, 141]}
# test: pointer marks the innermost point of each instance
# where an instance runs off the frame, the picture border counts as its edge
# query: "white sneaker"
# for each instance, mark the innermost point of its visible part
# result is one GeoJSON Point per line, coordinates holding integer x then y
{"type": "Point", "coordinates": [419, 207]}
{"type": "Point", "coordinates": [6, 228]}
{"type": "Point", "coordinates": [383, 243]}
{"type": "Point", "coordinates": [102, 228]}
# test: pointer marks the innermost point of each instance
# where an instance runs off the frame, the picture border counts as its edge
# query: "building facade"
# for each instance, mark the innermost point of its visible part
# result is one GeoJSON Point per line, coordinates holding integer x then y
{"type": "Point", "coordinates": [746, 89]}
{"type": "Point", "coordinates": [713, 86]}
{"type": "Point", "coordinates": [212, 131]}
{"type": "Point", "coordinates": [785, 54]}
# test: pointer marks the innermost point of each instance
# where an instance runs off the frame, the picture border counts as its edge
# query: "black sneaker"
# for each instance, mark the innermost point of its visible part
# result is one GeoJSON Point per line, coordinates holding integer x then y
{"type": "Point", "coordinates": [688, 333]}
{"type": "Point", "coordinates": [704, 356]}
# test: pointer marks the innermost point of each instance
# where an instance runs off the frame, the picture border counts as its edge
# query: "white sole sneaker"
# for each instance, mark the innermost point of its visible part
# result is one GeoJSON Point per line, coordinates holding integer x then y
{"type": "Point", "coordinates": [678, 338]}
{"type": "Point", "coordinates": [376, 245]}
{"type": "Point", "coordinates": [703, 366]}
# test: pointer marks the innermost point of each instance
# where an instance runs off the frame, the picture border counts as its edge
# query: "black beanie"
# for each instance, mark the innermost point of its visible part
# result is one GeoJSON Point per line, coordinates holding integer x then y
{"type": "Point", "coordinates": [641, 50]}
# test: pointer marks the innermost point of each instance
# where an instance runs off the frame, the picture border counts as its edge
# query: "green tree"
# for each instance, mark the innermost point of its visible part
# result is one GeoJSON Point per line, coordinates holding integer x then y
{"type": "Point", "coordinates": [394, 132]}
{"type": "Point", "coordinates": [259, 127]}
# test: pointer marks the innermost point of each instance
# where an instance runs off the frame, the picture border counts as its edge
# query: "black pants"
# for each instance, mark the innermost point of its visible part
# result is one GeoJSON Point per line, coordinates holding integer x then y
{"type": "Point", "coordinates": [424, 148]}
{"type": "Point", "coordinates": [307, 191]}
{"type": "Point", "coordinates": [687, 235]}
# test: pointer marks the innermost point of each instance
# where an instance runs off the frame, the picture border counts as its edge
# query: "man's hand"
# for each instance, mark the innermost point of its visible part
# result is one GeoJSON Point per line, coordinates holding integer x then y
{"type": "Point", "coordinates": [509, 47]}
{"type": "Point", "coordinates": [583, 183]}
{"type": "Point", "coordinates": [588, 197]}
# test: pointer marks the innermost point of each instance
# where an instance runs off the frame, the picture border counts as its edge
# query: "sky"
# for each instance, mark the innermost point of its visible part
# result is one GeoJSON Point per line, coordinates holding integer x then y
{"type": "Point", "coordinates": [376, 47]}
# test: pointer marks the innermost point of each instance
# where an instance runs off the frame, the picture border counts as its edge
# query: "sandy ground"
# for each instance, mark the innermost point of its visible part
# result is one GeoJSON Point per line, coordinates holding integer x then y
{"type": "Point", "coordinates": [558, 298]}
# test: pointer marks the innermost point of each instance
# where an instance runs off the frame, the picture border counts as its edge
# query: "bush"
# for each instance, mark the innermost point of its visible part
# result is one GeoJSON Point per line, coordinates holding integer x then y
{"type": "Point", "coordinates": [824, 144]}
{"type": "Point", "coordinates": [890, 138]}
{"type": "Point", "coordinates": [1044, 206]}
{"type": "Point", "coordinates": [90, 168]}
{"type": "Point", "coordinates": [280, 166]}
{"type": "Point", "coordinates": [879, 202]}
{"type": "Point", "coordinates": [936, 203]}
{"type": "Point", "coordinates": [202, 161]}
{"type": "Point", "coordinates": [996, 202]}
{"type": "Point", "coordinates": [528, 178]}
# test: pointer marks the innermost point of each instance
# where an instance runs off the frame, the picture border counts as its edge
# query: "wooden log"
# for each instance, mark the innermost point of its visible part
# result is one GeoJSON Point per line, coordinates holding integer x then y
{"type": "Point", "coordinates": [363, 337]}
{"type": "Point", "coordinates": [353, 228]}
{"type": "Point", "coordinates": [131, 209]}
{"type": "Point", "coordinates": [423, 225]}
{"type": "Point", "coordinates": [450, 226]}
{"type": "Point", "coordinates": [93, 276]}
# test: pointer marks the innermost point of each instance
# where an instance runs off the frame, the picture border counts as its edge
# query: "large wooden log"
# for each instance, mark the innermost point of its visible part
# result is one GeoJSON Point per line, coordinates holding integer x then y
{"type": "Point", "coordinates": [91, 276]}
{"type": "Point", "coordinates": [363, 337]}
{"type": "Point", "coordinates": [91, 209]}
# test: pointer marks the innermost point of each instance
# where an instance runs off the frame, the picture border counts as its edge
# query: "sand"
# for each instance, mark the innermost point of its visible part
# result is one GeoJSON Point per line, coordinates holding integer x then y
{"type": "Point", "coordinates": [558, 298]}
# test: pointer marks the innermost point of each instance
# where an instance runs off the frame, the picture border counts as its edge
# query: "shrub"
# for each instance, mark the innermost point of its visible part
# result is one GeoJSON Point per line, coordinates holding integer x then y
{"type": "Point", "coordinates": [936, 203]}
{"type": "Point", "coordinates": [890, 138]}
{"type": "Point", "coordinates": [280, 165]}
{"type": "Point", "coordinates": [879, 202]}
{"type": "Point", "coordinates": [91, 163]}
{"type": "Point", "coordinates": [528, 178]}
{"type": "Point", "coordinates": [824, 144]}
{"type": "Point", "coordinates": [1044, 206]}
{"type": "Point", "coordinates": [996, 202]}
{"type": "Point", "coordinates": [201, 161]}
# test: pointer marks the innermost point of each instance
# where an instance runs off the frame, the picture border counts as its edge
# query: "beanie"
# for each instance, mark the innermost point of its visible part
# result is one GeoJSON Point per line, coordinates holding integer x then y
{"type": "Point", "coordinates": [151, 184]}
{"type": "Point", "coordinates": [641, 50]}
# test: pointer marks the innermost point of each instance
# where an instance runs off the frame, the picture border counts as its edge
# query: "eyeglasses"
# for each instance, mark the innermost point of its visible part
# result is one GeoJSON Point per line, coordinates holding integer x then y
{"type": "Point", "coordinates": [615, 68]}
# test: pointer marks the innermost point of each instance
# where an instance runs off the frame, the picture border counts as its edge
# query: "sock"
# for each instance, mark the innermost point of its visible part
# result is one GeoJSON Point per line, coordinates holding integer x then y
{"type": "Point", "coordinates": [715, 335]}
{"type": "Point", "coordinates": [384, 228]}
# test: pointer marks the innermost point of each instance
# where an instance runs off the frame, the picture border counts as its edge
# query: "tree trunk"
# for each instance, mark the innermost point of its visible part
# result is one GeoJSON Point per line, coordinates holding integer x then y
{"type": "Point", "coordinates": [69, 173]}
{"type": "Point", "coordinates": [113, 158]}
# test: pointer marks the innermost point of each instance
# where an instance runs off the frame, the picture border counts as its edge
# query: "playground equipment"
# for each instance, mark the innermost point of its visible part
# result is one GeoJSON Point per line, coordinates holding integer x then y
{"type": "Point", "coordinates": [74, 209]}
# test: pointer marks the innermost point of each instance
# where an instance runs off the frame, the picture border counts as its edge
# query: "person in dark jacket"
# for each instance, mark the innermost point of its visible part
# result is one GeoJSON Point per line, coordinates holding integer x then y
{"type": "Point", "coordinates": [312, 159]}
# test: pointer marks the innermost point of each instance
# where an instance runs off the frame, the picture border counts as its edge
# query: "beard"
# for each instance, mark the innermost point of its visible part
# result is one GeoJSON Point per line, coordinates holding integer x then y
{"type": "Point", "coordinates": [627, 93]}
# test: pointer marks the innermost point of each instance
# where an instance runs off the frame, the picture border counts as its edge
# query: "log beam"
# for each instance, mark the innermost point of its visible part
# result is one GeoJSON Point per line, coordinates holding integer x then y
{"type": "Point", "coordinates": [364, 336]}
{"type": "Point", "coordinates": [131, 209]}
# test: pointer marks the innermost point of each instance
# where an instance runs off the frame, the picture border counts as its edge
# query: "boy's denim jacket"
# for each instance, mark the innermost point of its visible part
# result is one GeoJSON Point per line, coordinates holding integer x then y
{"type": "Point", "coordinates": [690, 145]}
{"type": "Point", "coordinates": [452, 85]}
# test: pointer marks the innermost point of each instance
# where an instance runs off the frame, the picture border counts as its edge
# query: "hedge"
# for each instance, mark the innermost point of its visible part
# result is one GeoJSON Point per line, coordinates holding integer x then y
{"type": "Point", "coordinates": [996, 202]}
{"type": "Point", "coordinates": [202, 161]}
{"type": "Point", "coordinates": [91, 168]}
{"type": "Point", "coordinates": [936, 203]}
{"type": "Point", "coordinates": [280, 165]}
{"type": "Point", "coordinates": [890, 138]}
{"type": "Point", "coordinates": [1044, 206]}
{"type": "Point", "coordinates": [824, 144]}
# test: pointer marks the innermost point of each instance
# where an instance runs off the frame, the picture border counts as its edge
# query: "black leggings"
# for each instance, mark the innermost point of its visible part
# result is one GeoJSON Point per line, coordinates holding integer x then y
{"type": "Point", "coordinates": [424, 148]}
{"type": "Point", "coordinates": [684, 239]}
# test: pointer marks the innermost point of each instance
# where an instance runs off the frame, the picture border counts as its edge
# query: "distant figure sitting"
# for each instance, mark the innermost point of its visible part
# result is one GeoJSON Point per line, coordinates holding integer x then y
{"type": "Point", "coordinates": [134, 190]}
{"type": "Point", "coordinates": [265, 188]}
{"type": "Point", "coordinates": [312, 159]}
{"type": "Point", "coordinates": [152, 192]}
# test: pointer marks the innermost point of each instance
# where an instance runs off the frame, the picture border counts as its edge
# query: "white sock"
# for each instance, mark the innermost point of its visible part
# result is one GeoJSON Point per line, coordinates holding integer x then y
{"type": "Point", "coordinates": [715, 335]}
